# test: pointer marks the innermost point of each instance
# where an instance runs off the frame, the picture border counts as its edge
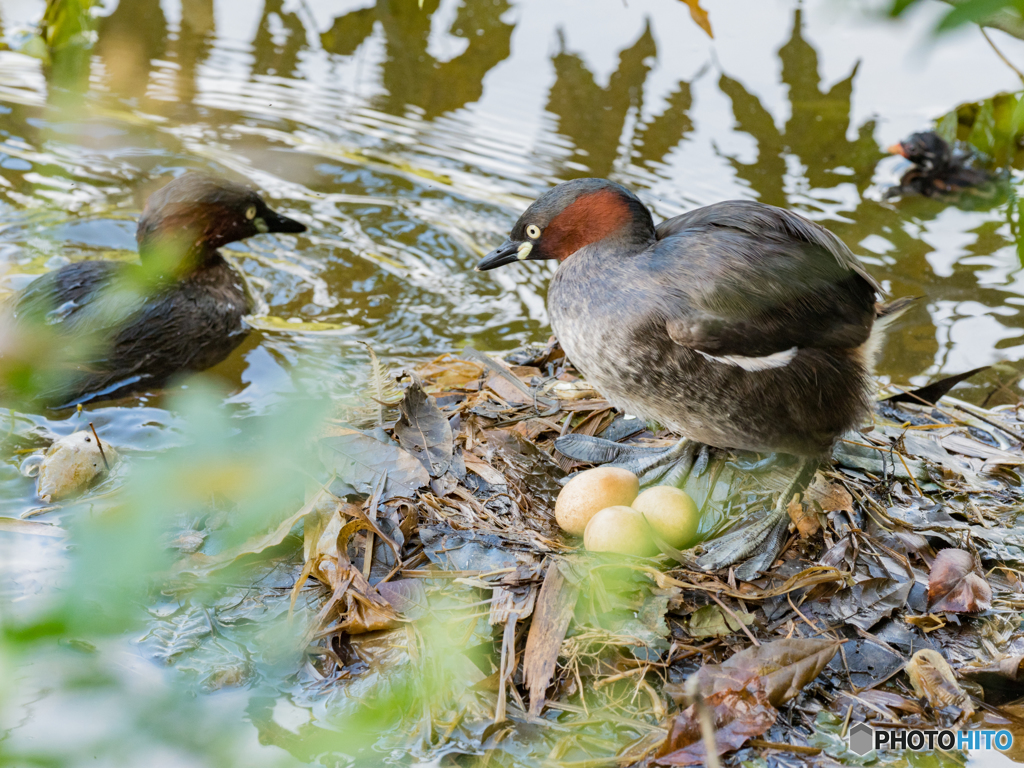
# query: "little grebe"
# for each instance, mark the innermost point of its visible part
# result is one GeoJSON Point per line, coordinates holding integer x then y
{"type": "Point", "coordinates": [739, 325]}
{"type": "Point", "coordinates": [128, 327]}
{"type": "Point", "coordinates": [936, 172]}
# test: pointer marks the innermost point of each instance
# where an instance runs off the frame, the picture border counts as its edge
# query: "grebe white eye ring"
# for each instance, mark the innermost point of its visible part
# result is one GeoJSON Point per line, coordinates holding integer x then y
{"type": "Point", "coordinates": [532, 231]}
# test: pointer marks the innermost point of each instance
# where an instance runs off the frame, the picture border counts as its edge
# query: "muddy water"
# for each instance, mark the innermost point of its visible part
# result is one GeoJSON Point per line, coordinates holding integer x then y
{"type": "Point", "coordinates": [408, 139]}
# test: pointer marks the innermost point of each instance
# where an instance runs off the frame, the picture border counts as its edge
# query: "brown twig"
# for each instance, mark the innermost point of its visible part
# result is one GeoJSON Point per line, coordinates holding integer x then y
{"type": "Point", "coordinates": [620, 676]}
{"type": "Point", "coordinates": [371, 515]}
{"type": "Point", "coordinates": [100, 446]}
{"type": "Point", "coordinates": [735, 618]}
{"type": "Point", "coordinates": [999, 53]}
{"type": "Point", "coordinates": [707, 722]}
{"type": "Point", "coordinates": [796, 749]}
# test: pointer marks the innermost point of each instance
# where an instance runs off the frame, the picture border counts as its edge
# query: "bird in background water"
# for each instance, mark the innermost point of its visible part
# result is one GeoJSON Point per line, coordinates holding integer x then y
{"type": "Point", "coordinates": [937, 170]}
{"type": "Point", "coordinates": [114, 327]}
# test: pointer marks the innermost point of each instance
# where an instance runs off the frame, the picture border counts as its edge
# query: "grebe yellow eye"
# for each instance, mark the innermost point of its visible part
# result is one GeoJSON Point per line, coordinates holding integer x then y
{"type": "Point", "coordinates": [533, 231]}
{"type": "Point", "coordinates": [250, 213]}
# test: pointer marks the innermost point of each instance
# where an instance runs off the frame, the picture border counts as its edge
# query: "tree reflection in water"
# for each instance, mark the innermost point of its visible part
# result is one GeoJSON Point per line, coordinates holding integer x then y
{"type": "Point", "coordinates": [412, 76]}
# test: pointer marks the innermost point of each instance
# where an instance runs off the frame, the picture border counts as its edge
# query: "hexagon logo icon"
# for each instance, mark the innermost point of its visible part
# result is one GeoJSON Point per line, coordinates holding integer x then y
{"type": "Point", "coordinates": [861, 738]}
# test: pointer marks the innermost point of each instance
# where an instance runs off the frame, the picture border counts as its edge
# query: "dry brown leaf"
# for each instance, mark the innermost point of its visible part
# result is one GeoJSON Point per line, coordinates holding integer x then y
{"type": "Point", "coordinates": [831, 497]}
{"type": "Point", "coordinates": [1006, 673]}
{"type": "Point", "coordinates": [804, 518]}
{"type": "Point", "coordinates": [480, 467]}
{"type": "Point", "coordinates": [367, 616]}
{"type": "Point", "coordinates": [699, 16]}
{"type": "Point", "coordinates": [933, 680]}
{"type": "Point", "coordinates": [532, 429]}
{"type": "Point", "coordinates": [507, 601]}
{"type": "Point", "coordinates": [712, 621]}
{"type": "Point", "coordinates": [424, 431]}
{"type": "Point", "coordinates": [359, 458]}
{"type": "Point", "coordinates": [448, 372]}
{"type": "Point", "coordinates": [507, 390]}
{"type": "Point", "coordinates": [868, 602]}
{"type": "Point", "coordinates": [890, 700]}
{"type": "Point", "coordinates": [383, 389]}
{"type": "Point", "coordinates": [738, 715]}
{"type": "Point", "coordinates": [927, 622]}
{"type": "Point", "coordinates": [571, 390]}
{"type": "Point", "coordinates": [407, 596]}
{"type": "Point", "coordinates": [524, 372]}
{"type": "Point", "coordinates": [555, 605]}
{"type": "Point", "coordinates": [955, 584]}
{"type": "Point", "coordinates": [362, 608]}
{"type": "Point", "coordinates": [786, 666]}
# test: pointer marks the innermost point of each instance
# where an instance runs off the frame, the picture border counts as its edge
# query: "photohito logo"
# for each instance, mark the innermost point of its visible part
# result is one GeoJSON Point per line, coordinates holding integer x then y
{"type": "Point", "coordinates": [862, 738]}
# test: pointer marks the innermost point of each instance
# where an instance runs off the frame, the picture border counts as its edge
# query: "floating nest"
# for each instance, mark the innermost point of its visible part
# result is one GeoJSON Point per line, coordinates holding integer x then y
{"type": "Point", "coordinates": [435, 585]}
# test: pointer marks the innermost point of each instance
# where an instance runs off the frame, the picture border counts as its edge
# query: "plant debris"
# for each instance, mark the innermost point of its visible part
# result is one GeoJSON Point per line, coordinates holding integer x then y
{"type": "Point", "coordinates": [955, 584]}
{"type": "Point", "coordinates": [433, 523]}
{"type": "Point", "coordinates": [72, 463]}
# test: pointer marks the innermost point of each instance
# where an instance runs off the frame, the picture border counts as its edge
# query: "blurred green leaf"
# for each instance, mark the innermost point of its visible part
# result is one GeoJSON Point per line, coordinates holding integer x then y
{"type": "Point", "coordinates": [946, 127]}
{"type": "Point", "coordinates": [994, 126]}
{"type": "Point", "coordinates": [899, 6]}
{"type": "Point", "coordinates": [974, 11]}
{"type": "Point", "coordinates": [983, 132]}
{"type": "Point", "coordinates": [967, 11]}
{"type": "Point", "coordinates": [67, 22]}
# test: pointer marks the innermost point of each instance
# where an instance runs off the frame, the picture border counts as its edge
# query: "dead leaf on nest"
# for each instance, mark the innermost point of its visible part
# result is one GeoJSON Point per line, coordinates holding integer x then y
{"type": "Point", "coordinates": [955, 584]}
{"type": "Point", "coordinates": [424, 431]}
{"type": "Point", "coordinates": [480, 467]}
{"type": "Point", "coordinates": [932, 679]}
{"type": "Point", "coordinates": [927, 622]}
{"type": "Point", "coordinates": [738, 716]}
{"type": "Point", "coordinates": [508, 391]}
{"type": "Point", "coordinates": [359, 458]}
{"type": "Point", "coordinates": [831, 497]}
{"type": "Point", "coordinates": [712, 621]}
{"type": "Point", "coordinates": [364, 615]}
{"type": "Point", "coordinates": [448, 372]}
{"type": "Point", "coordinates": [554, 609]}
{"type": "Point", "coordinates": [785, 666]}
{"type": "Point", "coordinates": [804, 518]}
{"type": "Point", "coordinates": [355, 605]}
{"type": "Point", "coordinates": [1006, 674]}
{"type": "Point", "coordinates": [572, 390]}
{"type": "Point", "coordinates": [407, 596]}
{"type": "Point", "coordinates": [868, 602]}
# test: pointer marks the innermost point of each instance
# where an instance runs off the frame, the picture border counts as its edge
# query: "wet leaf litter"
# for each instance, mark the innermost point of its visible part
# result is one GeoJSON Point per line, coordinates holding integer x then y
{"type": "Point", "coordinates": [431, 529]}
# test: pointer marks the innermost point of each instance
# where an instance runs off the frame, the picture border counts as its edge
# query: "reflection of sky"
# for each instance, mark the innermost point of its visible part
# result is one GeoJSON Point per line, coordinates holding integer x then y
{"type": "Point", "coordinates": [904, 79]}
{"type": "Point", "coordinates": [30, 568]}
